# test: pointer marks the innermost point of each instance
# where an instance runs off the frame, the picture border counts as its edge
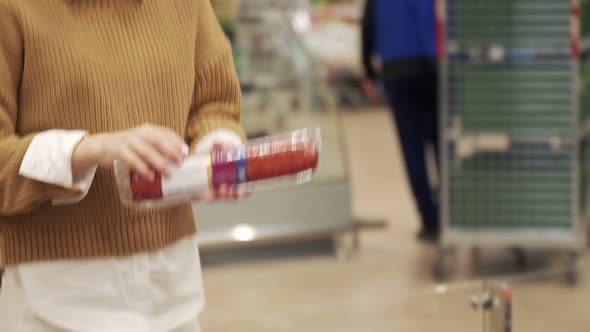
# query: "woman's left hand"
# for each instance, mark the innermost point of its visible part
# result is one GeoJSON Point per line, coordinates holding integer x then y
{"type": "Point", "coordinates": [226, 192]}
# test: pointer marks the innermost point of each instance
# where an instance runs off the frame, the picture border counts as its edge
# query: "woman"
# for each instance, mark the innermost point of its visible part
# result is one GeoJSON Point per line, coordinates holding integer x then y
{"type": "Point", "coordinates": [84, 83]}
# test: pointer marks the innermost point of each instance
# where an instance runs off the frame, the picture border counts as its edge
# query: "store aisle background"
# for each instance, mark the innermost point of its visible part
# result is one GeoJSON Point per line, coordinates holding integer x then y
{"type": "Point", "coordinates": [388, 286]}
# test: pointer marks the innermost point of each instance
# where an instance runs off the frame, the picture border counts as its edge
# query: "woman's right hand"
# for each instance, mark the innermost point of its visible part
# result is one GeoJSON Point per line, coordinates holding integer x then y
{"type": "Point", "coordinates": [146, 149]}
{"type": "Point", "coordinates": [371, 91]}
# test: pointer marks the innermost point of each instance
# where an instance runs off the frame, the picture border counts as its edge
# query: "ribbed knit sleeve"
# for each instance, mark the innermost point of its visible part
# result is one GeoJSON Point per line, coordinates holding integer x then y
{"type": "Point", "coordinates": [217, 99]}
{"type": "Point", "coordinates": [17, 194]}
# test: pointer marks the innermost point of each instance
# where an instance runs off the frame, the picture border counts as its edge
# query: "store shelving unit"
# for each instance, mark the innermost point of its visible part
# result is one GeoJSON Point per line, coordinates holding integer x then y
{"type": "Point", "coordinates": [510, 122]}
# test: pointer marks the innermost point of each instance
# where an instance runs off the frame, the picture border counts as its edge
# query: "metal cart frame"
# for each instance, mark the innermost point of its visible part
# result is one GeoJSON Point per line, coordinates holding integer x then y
{"type": "Point", "coordinates": [571, 240]}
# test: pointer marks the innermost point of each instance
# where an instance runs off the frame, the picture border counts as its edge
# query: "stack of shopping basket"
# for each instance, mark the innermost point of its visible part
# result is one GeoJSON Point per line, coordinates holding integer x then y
{"type": "Point", "coordinates": [509, 123]}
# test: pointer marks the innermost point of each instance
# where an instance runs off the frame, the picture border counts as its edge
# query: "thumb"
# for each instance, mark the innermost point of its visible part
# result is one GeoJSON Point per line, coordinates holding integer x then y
{"type": "Point", "coordinates": [217, 146]}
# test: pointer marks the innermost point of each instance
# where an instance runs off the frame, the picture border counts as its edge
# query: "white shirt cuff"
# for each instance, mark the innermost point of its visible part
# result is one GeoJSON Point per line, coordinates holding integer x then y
{"type": "Point", "coordinates": [49, 159]}
{"type": "Point", "coordinates": [220, 136]}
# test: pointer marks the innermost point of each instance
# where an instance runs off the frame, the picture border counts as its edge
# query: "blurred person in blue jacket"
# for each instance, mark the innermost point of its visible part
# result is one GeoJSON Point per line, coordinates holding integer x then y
{"type": "Point", "coordinates": [402, 34]}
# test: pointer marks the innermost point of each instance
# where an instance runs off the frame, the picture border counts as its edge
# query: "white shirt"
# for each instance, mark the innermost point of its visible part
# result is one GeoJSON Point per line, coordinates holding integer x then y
{"type": "Point", "coordinates": [147, 292]}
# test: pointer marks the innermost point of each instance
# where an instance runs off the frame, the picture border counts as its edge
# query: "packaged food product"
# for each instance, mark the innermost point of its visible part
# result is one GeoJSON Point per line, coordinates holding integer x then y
{"type": "Point", "coordinates": [260, 164]}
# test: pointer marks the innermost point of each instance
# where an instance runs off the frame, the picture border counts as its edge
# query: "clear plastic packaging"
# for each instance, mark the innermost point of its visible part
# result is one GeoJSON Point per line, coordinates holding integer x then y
{"type": "Point", "coordinates": [260, 164]}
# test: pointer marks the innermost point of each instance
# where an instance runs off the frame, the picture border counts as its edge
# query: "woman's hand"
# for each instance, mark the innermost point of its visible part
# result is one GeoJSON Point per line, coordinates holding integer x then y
{"type": "Point", "coordinates": [226, 192]}
{"type": "Point", "coordinates": [146, 150]}
{"type": "Point", "coordinates": [371, 91]}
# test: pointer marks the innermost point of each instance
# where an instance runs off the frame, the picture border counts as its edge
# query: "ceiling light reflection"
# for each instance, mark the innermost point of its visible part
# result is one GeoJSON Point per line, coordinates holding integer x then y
{"type": "Point", "coordinates": [243, 233]}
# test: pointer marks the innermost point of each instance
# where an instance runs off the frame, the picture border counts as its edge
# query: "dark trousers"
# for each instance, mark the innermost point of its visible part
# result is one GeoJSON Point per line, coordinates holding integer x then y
{"type": "Point", "coordinates": [414, 103]}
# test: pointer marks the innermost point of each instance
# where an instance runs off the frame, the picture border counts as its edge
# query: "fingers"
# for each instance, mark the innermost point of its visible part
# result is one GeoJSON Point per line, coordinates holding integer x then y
{"type": "Point", "coordinates": [166, 141]}
{"type": "Point", "coordinates": [227, 193]}
{"type": "Point", "coordinates": [218, 194]}
{"type": "Point", "coordinates": [211, 196]}
{"type": "Point", "coordinates": [157, 147]}
{"type": "Point", "coordinates": [217, 146]}
{"type": "Point", "coordinates": [370, 90]}
{"type": "Point", "coordinates": [222, 194]}
{"type": "Point", "coordinates": [136, 163]}
{"type": "Point", "coordinates": [149, 155]}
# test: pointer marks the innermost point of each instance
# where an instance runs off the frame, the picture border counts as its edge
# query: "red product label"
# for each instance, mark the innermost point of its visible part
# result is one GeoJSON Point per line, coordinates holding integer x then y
{"type": "Point", "coordinates": [283, 159]}
{"type": "Point", "coordinates": [145, 189]}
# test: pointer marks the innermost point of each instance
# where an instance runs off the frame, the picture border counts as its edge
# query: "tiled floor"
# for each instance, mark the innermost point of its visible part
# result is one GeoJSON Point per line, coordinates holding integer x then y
{"type": "Point", "coordinates": [388, 286]}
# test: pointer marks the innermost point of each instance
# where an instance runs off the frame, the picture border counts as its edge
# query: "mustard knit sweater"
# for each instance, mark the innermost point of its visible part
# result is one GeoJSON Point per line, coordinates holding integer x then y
{"type": "Point", "coordinates": [101, 66]}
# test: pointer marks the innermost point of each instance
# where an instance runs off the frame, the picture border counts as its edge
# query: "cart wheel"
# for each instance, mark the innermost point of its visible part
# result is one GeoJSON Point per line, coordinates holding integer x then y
{"type": "Point", "coordinates": [442, 265]}
{"type": "Point", "coordinates": [573, 275]}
